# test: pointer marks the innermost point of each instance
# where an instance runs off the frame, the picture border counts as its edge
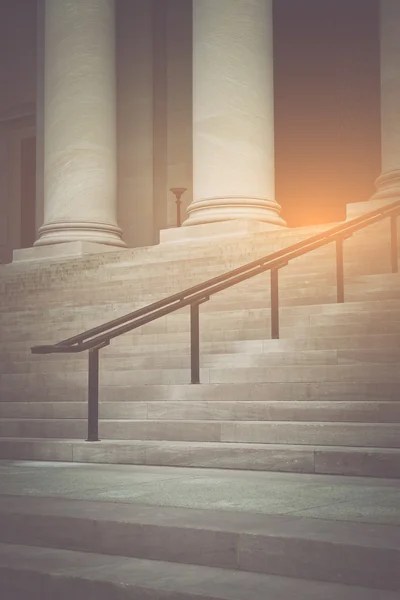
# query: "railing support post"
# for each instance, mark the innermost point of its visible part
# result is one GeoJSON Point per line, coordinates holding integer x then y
{"type": "Point", "coordinates": [339, 270]}
{"type": "Point", "coordinates": [93, 396]}
{"type": "Point", "coordinates": [394, 244]}
{"type": "Point", "coordinates": [275, 304]}
{"type": "Point", "coordinates": [195, 343]}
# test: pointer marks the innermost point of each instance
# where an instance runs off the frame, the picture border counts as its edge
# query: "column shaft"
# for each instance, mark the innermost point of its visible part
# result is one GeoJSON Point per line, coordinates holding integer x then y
{"type": "Point", "coordinates": [233, 112]}
{"type": "Point", "coordinates": [80, 123]}
{"type": "Point", "coordinates": [388, 184]}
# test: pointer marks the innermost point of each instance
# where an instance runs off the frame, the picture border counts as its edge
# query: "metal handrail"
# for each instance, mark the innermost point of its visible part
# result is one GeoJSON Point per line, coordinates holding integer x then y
{"type": "Point", "coordinates": [99, 337]}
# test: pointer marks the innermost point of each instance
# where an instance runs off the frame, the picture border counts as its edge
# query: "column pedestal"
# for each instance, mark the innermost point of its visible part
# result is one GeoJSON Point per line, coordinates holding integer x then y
{"type": "Point", "coordinates": [223, 229]}
{"type": "Point", "coordinates": [61, 251]}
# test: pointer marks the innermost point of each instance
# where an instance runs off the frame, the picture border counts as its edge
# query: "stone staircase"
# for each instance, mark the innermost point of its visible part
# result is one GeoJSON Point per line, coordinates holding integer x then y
{"type": "Point", "coordinates": [322, 399]}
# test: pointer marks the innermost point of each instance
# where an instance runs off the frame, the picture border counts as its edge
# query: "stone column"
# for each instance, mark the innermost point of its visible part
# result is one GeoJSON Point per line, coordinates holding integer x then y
{"type": "Point", "coordinates": [388, 183]}
{"type": "Point", "coordinates": [233, 112]}
{"type": "Point", "coordinates": [80, 123]}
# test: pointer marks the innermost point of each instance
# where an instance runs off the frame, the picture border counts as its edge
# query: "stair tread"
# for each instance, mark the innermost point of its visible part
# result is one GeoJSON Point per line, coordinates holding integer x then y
{"type": "Point", "coordinates": [185, 444]}
{"type": "Point", "coordinates": [284, 526]}
{"type": "Point", "coordinates": [157, 580]}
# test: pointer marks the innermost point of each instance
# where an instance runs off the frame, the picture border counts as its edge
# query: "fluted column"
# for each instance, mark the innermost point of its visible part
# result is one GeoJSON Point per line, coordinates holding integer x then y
{"type": "Point", "coordinates": [388, 184]}
{"type": "Point", "coordinates": [233, 112]}
{"type": "Point", "coordinates": [80, 123]}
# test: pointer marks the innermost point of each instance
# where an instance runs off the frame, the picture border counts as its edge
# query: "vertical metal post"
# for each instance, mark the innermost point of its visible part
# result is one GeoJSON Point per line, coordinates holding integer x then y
{"type": "Point", "coordinates": [93, 396]}
{"type": "Point", "coordinates": [339, 270]}
{"type": "Point", "coordinates": [275, 304]}
{"type": "Point", "coordinates": [195, 343]}
{"type": "Point", "coordinates": [394, 244]}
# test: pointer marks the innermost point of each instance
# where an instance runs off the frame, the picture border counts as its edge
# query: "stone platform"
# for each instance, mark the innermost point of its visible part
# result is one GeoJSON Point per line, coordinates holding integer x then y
{"type": "Point", "coordinates": [135, 533]}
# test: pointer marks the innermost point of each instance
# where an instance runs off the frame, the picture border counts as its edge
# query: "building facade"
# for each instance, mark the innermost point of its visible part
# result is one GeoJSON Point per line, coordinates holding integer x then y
{"type": "Point", "coordinates": [265, 112]}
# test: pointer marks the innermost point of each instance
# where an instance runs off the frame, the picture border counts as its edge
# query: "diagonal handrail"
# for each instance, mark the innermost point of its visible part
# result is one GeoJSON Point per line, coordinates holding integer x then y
{"type": "Point", "coordinates": [98, 337]}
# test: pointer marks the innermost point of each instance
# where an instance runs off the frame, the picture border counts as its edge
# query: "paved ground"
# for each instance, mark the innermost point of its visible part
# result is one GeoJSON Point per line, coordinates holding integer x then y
{"type": "Point", "coordinates": [314, 496]}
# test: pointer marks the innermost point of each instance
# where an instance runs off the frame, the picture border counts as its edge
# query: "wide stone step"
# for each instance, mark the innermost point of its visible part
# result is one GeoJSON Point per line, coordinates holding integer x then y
{"type": "Point", "coordinates": [216, 255]}
{"type": "Point", "coordinates": [359, 293]}
{"type": "Point", "coordinates": [128, 361]}
{"type": "Point", "coordinates": [329, 460]}
{"type": "Point", "coordinates": [336, 552]}
{"type": "Point", "coordinates": [25, 570]}
{"type": "Point", "coordinates": [171, 361]}
{"type": "Point", "coordinates": [339, 411]}
{"type": "Point", "coordinates": [179, 322]}
{"type": "Point", "coordinates": [256, 330]}
{"type": "Point", "coordinates": [369, 373]}
{"type": "Point", "coordinates": [289, 286]}
{"type": "Point", "coordinates": [358, 288]}
{"type": "Point", "coordinates": [69, 313]}
{"type": "Point", "coordinates": [334, 391]}
{"type": "Point", "coordinates": [370, 344]}
{"type": "Point", "coordinates": [367, 435]}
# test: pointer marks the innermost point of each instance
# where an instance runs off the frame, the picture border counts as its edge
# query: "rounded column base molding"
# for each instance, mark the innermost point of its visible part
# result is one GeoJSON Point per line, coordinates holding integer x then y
{"type": "Point", "coordinates": [97, 233]}
{"type": "Point", "coordinates": [387, 185]}
{"type": "Point", "coordinates": [217, 209]}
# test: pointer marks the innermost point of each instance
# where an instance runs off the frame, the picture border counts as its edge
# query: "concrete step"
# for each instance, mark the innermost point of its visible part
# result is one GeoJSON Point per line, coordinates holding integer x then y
{"type": "Point", "coordinates": [305, 284]}
{"type": "Point", "coordinates": [334, 391]}
{"type": "Point", "coordinates": [69, 313]}
{"type": "Point", "coordinates": [129, 361]}
{"type": "Point", "coordinates": [329, 460]}
{"type": "Point", "coordinates": [368, 373]}
{"type": "Point", "coordinates": [378, 411]}
{"type": "Point", "coordinates": [159, 333]}
{"type": "Point", "coordinates": [248, 317]}
{"type": "Point", "coordinates": [355, 289]}
{"type": "Point", "coordinates": [374, 344]}
{"type": "Point", "coordinates": [366, 435]}
{"type": "Point", "coordinates": [335, 552]}
{"type": "Point", "coordinates": [65, 574]}
{"type": "Point", "coordinates": [244, 249]}
{"type": "Point", "coordinates": [176, 361]}
{"type": "Point", "coordinates": [361, 292]}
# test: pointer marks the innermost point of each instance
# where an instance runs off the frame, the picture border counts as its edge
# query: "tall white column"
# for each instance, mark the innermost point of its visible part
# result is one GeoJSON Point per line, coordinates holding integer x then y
{"type": "Point", "coordinates": [388, 184]}
{"type": "Point", "coordinates": [233, 106]}
{"type": "Point", "coordinates": [80, 123]}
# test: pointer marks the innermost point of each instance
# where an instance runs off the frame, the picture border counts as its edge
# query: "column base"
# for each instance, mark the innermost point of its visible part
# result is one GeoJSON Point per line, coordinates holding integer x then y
{"type": "Point", "coordinates": [218, 209]}
{"type": "Point", "coordinates": [388, 186]}
{"type": "Point", "coordinates": [387, 191]}
{"type": "Point", "coordinates": [95, 233]}
{"type": "Point", "coordinates": [228, 229]}
{"type": "Point", "coordinates": [60, 251]}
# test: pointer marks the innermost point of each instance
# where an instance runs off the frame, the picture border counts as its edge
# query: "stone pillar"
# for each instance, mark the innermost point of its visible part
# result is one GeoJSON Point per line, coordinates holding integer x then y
{"type": "Point", "coordinates": [233, 112]}
{"type": "Point", "coordinates": [80, 123]}
{"type": "Point", "coordinates": [388, 183]}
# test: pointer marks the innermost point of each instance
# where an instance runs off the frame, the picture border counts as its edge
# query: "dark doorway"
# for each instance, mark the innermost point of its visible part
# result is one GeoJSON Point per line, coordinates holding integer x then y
{"type": "Point", "coordinates": [327, 106]}
{"type": "Point", "coordinates": [28, 192]}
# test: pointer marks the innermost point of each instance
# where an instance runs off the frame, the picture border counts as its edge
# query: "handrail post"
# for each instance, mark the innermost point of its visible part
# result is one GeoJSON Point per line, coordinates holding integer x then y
{"type": "Point", "coordinates": [93, 396]}
{"type": "Point", "coordinates": [339, 270]}
{"type": "Point", "coordinates": [195, 343]}
{"type": "Point", "coordinates": [275, 304]}
{"type": "Point", "coordinates": [394, 244]}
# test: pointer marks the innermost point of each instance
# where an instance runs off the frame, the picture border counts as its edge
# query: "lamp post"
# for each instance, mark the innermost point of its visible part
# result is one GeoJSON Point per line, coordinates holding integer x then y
{"type": "Point", "coordinates": [178, 193]}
